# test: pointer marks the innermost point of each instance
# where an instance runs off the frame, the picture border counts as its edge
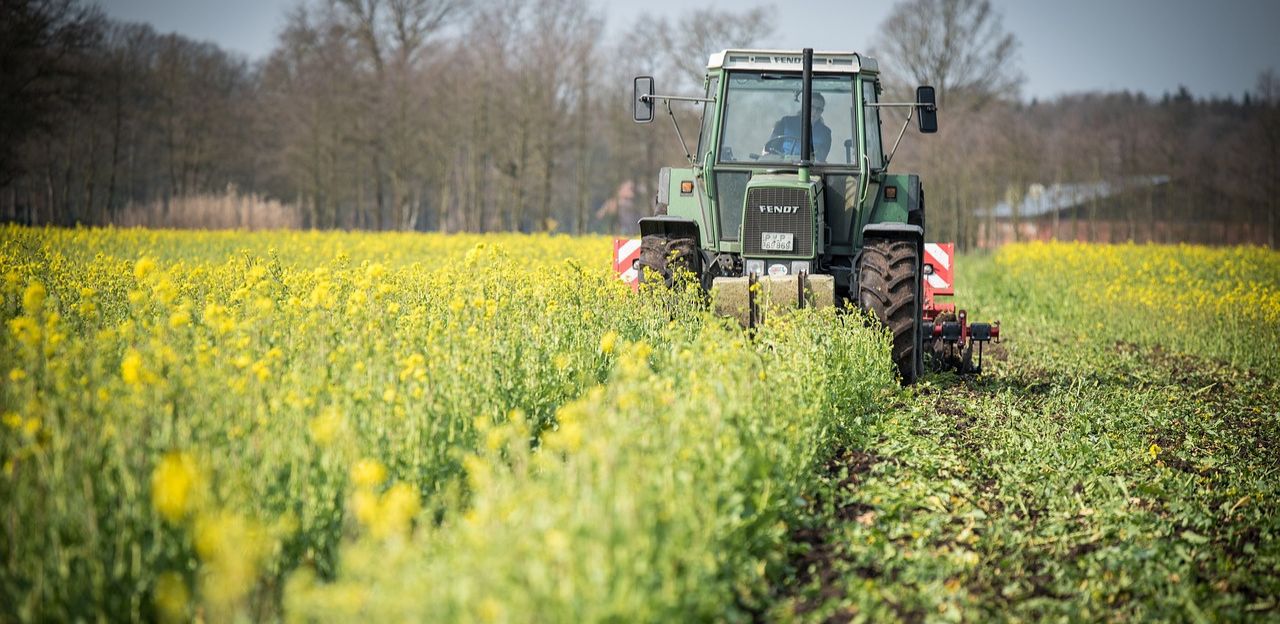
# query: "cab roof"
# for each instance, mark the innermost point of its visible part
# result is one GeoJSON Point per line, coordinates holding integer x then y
{"type": "Point", "coordinates": [790, 60]}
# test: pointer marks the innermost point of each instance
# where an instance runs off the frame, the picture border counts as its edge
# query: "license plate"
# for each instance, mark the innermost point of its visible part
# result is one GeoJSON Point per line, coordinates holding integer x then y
{"type": "Point", "coordinates": [777, 241]}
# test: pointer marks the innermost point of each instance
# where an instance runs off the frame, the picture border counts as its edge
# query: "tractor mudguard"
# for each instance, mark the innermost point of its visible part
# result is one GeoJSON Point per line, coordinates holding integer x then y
{"type": "Point", "coordinates": [893, 230]}
{"type": "Point", "coordinates": [669, 226]}
{"type": "Point", "coordinates": [906, 204]}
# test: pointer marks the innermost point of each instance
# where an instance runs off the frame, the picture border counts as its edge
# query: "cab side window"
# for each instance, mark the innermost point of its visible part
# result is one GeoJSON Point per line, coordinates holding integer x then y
{"type": "Point", "coordinates": [708, 119]}
{"type": "Point", "coordinates": [871, 124]}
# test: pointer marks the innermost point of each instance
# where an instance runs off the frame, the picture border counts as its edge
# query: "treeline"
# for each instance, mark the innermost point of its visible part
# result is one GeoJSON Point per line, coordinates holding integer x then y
{"type": "Point", "coordinates": [1218, 159]}
{"type": "Point", "coordinates": [515, 115]}
{"type": "Point", "coordinates": [377, 114]}
{"type": "Point", "coordinates": [1168, 169]}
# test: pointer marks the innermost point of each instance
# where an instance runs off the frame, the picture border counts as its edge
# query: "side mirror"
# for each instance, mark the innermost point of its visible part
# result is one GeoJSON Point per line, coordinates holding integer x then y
{"type": "Point", "coordinates": [927, 108]}
{"type": "Point", "coordinates": [642, 99]}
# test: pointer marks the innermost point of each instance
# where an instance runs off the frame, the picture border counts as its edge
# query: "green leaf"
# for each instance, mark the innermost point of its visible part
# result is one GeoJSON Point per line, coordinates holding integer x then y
{"type": "Point", "coordinates": [1194, 538]}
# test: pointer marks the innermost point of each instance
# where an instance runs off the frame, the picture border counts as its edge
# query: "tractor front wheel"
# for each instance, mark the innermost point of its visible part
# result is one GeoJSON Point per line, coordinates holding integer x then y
{"type": "Point", "coordinates": [888, 286]}
{"type": "Point", "coordinates": [664, 256]}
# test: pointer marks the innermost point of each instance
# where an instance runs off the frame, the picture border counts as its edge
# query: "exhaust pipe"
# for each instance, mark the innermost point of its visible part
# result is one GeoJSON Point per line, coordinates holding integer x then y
{"type": "Point", "coordinates": [806, 126]}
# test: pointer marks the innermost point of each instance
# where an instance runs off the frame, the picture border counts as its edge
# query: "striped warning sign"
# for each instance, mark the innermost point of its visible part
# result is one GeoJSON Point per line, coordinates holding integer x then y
{"type": "Point", "coordinates": [626, 260]}
{"type": "Point", "coordinates": [937, 273]}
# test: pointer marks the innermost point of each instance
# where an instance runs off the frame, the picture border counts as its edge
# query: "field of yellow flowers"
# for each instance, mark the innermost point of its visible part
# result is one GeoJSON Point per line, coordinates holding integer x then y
{"type": "Point", "coordinates": [242, 425]}
{"type": "Point", "coordinates": [1221, 303]}
{"type": "Point", "coordinates": [335, 426]}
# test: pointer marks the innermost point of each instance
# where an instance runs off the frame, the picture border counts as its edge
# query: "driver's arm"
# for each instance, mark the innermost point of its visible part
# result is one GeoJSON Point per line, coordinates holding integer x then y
{"type": "Point", "coordinates": [822, 144]}
{"type": "Point", "coordinates": [821, 150]}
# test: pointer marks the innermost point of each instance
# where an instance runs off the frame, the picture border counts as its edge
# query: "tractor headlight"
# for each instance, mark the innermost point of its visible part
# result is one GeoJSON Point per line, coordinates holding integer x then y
{"type": "Point", "coordinates": [754, 266]}
{"type": "Point", "coordinates": [799, 266]}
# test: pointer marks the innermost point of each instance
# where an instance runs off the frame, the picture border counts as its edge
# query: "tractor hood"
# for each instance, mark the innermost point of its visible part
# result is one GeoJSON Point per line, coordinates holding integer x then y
{"type": "Point", "coordinates": [780, 217]}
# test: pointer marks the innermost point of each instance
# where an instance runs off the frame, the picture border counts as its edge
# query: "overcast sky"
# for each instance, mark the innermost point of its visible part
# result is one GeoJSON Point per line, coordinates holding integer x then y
{"type": "Point", "coordinates": [1214, 48]}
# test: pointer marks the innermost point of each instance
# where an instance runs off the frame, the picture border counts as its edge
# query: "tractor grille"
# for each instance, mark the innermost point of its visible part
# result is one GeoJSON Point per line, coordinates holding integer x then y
{"type": "Point", "coordinates": [755, 221]}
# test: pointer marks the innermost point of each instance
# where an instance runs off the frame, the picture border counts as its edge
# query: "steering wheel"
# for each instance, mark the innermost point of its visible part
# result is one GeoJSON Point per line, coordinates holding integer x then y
{"type": "Point", "coordinates": [777, 145]}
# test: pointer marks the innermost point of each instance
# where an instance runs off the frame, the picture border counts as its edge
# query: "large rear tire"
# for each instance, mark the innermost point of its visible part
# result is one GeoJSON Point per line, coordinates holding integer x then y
{"type": "Point", "coordinates": [889, 288]}
{"type": "Point", "coordinates": [664, 255]}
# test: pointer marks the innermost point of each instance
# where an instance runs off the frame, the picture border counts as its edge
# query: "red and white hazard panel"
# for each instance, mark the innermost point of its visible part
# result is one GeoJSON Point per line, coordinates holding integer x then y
{"type": "Point", "coordinates": [626, 259]}
{"type": "Point", "coordinates": [938, 267]}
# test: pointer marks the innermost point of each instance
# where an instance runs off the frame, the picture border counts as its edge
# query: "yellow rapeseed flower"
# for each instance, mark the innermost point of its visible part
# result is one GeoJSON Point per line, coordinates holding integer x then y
{"type": "Point", "coordinates": [567, 437]}
{"type": "Point", "coordinates": [26, 330]}
{"type": "Point", "coordinates": [231, 548]}
{"type": "Point", "coordinates": [131, 367]}
{"type": "Point", "coordinates": [479, 474]}
{"type": "Point", "coordinates": [368, 473]}
{"type": "Point", "coordinates": [176, 486]}
{"type": "Point", "coordinates": [364, 504]}
{"type": "Point", "coordinates": [180, 318]}
{"type": "Point", "coordinates": [607, 342]}
{"type": "Point", "coordinates": [496, 438]}
{"type": "Point", "coordinates": [326, 427]}
{"type": "Point", "coordinates": [142, 268]}
{"type": "Point", "coordinates": [33, 297]}
{"type": "Point", "coordinates": [256, 273]}
{"type": "Point", "coordinates": [396, 511]}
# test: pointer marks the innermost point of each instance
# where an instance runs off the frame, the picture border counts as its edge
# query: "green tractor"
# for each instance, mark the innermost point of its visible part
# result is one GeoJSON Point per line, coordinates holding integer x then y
{"type": "Point", "coordinates": [771, 211]}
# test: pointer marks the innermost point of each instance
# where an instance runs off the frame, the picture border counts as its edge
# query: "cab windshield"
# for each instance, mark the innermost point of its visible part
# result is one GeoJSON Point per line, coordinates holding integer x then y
{"type": "Point", "coordinates": [762, 119]}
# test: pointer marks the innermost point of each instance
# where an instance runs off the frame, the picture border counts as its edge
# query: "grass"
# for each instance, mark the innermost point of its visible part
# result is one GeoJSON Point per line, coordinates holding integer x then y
{"type": "Point", "coordinates": [1083, 477]}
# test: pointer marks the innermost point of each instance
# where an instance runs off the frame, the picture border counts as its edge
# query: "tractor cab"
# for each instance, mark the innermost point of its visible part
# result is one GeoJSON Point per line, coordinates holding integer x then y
{"type": "Point", "coordinates": [780, 221]}
{"type": "Point", "coordinates": [752, 194]}
{"type": "Point", "coordinates": [786, 199]}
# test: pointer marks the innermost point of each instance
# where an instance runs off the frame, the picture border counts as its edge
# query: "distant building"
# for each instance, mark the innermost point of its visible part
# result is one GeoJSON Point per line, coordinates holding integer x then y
{"type": "Point", "coordinates": [1108, 211]}
{"type": "Point", "coordinates": [621, 211]}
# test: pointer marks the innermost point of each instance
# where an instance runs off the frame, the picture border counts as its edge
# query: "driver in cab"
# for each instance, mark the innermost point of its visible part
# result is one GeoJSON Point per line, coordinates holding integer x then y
{"type": "Point", "coordinates": [787, 131]}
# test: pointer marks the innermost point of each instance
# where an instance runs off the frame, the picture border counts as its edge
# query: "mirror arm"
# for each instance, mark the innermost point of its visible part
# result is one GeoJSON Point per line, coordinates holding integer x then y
{"type": "Point", "coordinates": [910, 111]}
{"type": "Point", "coordinates": [668, 99]}
{"type": "Point", "coordinates": [679, 134]}
{"type": "Point", "coordinates": [677, 98]}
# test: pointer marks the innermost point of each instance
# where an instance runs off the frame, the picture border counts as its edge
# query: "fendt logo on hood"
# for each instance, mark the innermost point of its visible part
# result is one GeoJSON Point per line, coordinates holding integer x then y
{"type": "Point", "coordinates": [779, 209]}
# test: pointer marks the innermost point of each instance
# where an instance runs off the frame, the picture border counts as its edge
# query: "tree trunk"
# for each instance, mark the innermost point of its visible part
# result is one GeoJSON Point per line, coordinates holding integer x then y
{"type": "Point", "coordinates": [444, 207]}
{"type": "Point", "coordinates": [380, 191]}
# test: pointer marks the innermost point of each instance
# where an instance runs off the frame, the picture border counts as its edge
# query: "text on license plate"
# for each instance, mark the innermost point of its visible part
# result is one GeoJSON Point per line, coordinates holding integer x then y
{"type": "Point", "coordinates": [777, 241]}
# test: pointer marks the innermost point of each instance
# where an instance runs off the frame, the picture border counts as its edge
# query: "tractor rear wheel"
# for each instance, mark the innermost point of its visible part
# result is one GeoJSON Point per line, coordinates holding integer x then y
{"type": "Point", "coordinates": [888, 286]}
{"type": "Point", "coordinates": [665, 255]}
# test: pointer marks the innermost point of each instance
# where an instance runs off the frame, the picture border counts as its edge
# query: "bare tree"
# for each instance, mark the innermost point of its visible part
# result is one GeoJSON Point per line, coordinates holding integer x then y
{"type": "Point", "coordinates": [689, 40]}
{"type": "Point", "coordinates": [961, 48]}
{"type": "Point", "coordinates": [958, 46]}
{"type": "Point", "coordinates": [42, 43]}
